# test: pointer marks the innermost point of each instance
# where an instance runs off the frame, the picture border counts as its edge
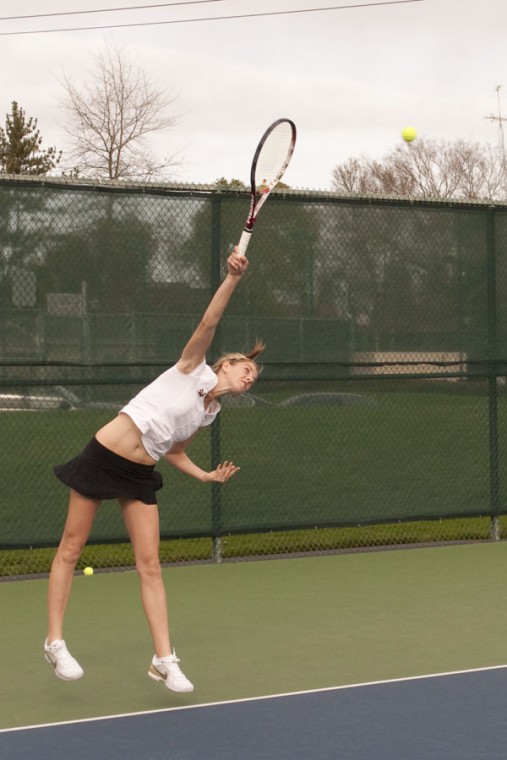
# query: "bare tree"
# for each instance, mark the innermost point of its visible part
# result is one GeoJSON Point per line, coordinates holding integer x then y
{"type": "Point", "coordinates": [110, 117]}
{"type": "Point", "coordinates": [427, 169]}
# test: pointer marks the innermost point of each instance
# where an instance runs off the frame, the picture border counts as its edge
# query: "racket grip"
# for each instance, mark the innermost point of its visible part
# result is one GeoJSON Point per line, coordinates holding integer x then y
{"type": "Point", "coordinates": [244, 240]}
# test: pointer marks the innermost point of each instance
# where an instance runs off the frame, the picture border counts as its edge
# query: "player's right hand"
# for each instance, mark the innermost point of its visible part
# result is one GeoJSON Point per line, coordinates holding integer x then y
{"type": "Point", "coordinates": [237, 264]}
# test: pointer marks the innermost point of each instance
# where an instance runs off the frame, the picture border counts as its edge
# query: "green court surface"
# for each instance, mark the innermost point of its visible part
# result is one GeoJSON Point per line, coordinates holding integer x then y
{"type": "Point", "coordinates": [257, 628]}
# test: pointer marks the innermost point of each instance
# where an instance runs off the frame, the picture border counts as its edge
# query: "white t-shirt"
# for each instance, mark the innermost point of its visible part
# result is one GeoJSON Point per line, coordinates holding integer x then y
{"type": "Point", "coordinates": [171, 408]}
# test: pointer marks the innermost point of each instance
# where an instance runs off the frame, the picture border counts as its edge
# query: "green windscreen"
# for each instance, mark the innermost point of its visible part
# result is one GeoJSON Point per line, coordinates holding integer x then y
{"type": "Point", "coordinates": [383, 393]}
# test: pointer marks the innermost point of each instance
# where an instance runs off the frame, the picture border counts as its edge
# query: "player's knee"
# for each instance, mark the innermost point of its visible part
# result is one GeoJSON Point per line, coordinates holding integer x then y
{"type": "Point", "coordinates": [69, 555]}
{"type": "Point", "coordinates": [70, 550]}
{"type": "Point", "coordinates": [148, 567]}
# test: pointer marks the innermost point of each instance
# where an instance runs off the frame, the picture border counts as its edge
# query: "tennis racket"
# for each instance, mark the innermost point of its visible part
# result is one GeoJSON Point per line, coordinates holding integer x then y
{"type": "Point", "coordinates": [269, 163]}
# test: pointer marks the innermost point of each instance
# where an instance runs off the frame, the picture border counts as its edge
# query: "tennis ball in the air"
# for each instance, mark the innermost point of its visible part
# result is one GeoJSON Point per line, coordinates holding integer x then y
{"type": "Point", "coordinates": [409, 133]}
{"type": "Point", "coordinates": [88, 571]}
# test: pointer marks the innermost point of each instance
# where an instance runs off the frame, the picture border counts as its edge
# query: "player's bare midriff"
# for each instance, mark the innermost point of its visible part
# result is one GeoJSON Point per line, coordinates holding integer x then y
{"type": "Point", "coordinates": [122, 436]}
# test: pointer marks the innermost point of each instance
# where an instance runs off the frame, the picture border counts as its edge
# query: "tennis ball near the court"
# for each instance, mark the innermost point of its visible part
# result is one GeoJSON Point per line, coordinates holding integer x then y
{"type": "Point", "coordinates": [88, 571]}
{"type": "Point", "coordinates": [409, 133]}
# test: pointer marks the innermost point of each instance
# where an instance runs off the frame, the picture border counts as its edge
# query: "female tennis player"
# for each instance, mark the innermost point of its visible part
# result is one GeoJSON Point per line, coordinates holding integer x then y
{"type": "Point", "coordinates": [118, 463]}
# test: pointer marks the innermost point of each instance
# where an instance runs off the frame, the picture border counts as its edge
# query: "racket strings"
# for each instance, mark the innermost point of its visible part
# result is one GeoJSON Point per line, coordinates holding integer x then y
{"type": "Point", "coordinates": [274, 157]}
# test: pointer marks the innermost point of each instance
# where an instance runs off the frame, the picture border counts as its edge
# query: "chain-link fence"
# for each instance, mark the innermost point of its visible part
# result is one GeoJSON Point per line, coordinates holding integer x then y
{"type": "Point", "coordinates": [379, 417]}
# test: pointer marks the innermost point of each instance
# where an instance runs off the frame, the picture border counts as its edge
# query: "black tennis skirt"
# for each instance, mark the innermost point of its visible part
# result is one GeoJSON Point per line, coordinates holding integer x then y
{"type": "Point", "coordinates": [99, 473]}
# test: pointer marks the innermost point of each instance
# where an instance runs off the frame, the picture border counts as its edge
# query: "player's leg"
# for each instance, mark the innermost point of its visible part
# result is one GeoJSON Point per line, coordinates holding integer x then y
{"type": "Point", "coordinates": [80, 516]}
{"type": "Point", "coordinates": [142, 522]}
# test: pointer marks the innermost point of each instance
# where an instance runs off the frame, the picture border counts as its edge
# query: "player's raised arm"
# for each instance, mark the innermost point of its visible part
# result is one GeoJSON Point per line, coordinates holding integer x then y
{"type": "Point", "coordinates": [195, 350]}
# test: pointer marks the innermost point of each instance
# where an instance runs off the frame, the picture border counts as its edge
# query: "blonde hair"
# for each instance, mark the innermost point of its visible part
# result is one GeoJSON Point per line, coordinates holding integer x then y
{"type": "Point", "coordinates": [234, 357]}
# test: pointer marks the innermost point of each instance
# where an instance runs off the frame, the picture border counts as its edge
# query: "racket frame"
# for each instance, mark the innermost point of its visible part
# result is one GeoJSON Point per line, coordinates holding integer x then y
{"type": "Point", "coordinates": [257, 200]}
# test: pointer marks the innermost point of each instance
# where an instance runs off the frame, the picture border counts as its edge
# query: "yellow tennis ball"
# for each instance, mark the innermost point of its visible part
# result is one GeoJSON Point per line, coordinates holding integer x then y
{"type": "Point", "coordinates": [88, 571]}
{"type": "Point", "coordinates": [409, 133]}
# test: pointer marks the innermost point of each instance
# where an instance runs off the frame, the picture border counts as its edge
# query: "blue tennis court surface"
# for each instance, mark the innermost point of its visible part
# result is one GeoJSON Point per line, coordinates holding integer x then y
{"type": "Point", "coordinates": [454, 716]}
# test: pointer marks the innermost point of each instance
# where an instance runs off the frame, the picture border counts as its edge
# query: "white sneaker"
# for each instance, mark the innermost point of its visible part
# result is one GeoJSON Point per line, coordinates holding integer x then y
{"type": "Point", "coordinates": [167, 669]}
{"type": "Point", "coordinates": [66, 667]}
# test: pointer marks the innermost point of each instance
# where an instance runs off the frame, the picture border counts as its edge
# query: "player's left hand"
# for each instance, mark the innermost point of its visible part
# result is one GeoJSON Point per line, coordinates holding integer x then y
{"type": "Point", "coordinates": [223, 472]}
{"type": "Point", "coordinates": [237, 264]}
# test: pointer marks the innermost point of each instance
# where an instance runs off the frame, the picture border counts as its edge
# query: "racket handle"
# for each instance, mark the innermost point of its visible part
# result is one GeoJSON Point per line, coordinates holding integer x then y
{"type": "Point", "coordinates": [244, 240]}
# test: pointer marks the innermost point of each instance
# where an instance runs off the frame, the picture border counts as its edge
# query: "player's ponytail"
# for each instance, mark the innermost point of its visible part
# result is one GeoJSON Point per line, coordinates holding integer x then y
{"type": "Point", "coordinates": [250, 356]}
{"type": "Point", "coordinates": [257, 349]}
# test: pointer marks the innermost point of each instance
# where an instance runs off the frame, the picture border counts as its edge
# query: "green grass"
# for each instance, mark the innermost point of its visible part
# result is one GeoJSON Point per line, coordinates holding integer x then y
{"type": "Point", "coordinates": [29, 561]}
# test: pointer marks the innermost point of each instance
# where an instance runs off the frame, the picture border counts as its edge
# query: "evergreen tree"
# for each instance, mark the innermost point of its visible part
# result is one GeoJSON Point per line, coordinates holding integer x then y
{"type": "Point", "coordinates": [20, 146]}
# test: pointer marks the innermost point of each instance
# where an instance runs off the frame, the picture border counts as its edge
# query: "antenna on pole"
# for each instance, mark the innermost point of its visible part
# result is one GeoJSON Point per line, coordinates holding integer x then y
{"type": "Point", "coordinates": [500, 119]}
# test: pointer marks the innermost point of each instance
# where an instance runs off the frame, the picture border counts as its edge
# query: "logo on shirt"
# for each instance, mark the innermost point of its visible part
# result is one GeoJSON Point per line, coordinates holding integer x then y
{"type": "Point", "coordinates": [201, 392]}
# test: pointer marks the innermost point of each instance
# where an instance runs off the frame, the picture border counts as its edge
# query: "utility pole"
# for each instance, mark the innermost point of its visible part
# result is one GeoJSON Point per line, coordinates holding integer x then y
{"type": "Point", "coordinates": [500, 119]}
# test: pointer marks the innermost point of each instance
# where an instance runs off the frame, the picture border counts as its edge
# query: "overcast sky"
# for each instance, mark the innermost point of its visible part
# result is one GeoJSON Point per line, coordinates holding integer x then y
{"type": "Point", "coordinates": [350, 78]}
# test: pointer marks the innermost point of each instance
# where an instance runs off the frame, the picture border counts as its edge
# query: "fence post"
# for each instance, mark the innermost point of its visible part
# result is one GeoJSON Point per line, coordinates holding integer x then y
{"type": "Point", "coordinates": [492, 377]}
{"type": "Point", "coordinates": [216, 496]}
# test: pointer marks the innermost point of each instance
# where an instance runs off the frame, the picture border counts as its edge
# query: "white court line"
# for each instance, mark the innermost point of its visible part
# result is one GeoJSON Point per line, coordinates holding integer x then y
{"type": "Point", "coordinates": [257, 699]}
